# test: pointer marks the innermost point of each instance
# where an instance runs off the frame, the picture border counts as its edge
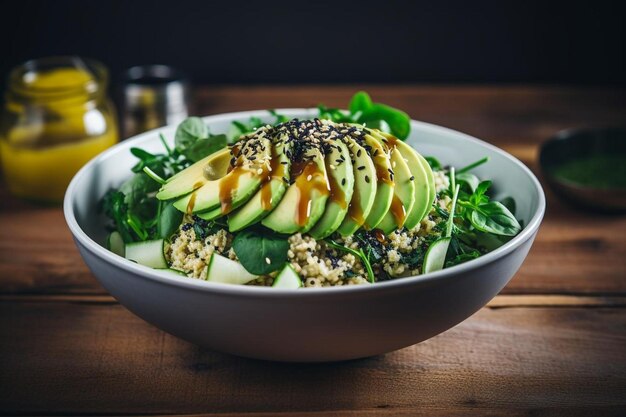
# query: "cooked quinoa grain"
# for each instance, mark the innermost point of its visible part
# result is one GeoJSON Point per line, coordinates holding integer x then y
{"type": "Point", "coordinates": [318, 264]}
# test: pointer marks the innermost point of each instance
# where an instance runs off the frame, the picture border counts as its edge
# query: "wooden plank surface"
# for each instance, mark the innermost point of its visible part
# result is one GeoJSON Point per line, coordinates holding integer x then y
{"type": "Point", "coordinates": [552, 344]}
{"type": "Point", "coordinates": [574, 252]}
{"type": "Point", "coordinates": [81, 356]}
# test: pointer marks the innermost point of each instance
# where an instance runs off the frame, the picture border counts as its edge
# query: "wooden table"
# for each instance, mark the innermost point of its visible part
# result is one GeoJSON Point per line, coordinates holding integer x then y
{"type": "Point", "coordinates": [554, 341]}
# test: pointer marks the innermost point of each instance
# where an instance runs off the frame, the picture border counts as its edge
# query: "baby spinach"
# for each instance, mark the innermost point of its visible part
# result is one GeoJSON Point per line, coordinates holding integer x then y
{"type": "Point", "coordinates": [169, 220]}
{"type": "Point", "coordinates": [194, 141]}
{"type": "Point", "coordinates": [254, 249]}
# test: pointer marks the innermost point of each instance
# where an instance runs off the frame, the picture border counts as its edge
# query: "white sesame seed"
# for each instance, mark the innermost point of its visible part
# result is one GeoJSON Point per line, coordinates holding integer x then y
{"type": "Point", "coordinates": [332, 166]}
{"type": "Point", "coordinates": [268, 261]}
{"type": "Point", "coordinates": [309, 177]}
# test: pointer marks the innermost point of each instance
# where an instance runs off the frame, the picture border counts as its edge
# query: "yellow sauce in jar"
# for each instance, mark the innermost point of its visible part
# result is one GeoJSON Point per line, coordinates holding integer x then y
{"type": "Point", "coordinates": [63, 121]}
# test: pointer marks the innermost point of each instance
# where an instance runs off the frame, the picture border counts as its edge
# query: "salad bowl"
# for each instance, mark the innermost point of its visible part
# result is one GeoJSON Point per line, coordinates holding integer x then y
{"type": "Point", "coordinates": [316, 324]}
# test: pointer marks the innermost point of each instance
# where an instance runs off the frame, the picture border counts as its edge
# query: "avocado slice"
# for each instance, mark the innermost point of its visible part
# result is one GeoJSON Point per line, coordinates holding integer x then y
{"type": "Point", "coordinates": [304, 202]}
{"type": "Point", "coordinates": [267, 198]}
{"type": "Point", "coordinates": [364, 191]}
{"type": "Point", "coordinates": [341, 179]}
{"type": "Point", "coordinates": [431, 183]}
{"type": "Point", "coordinates": [419, 177]}
{"type": "Point", "coordinates": [385, 185]}
{"type": "Point", "coordinates": [211, 167]}
{"type": "Point", "coordinates": [404, 191]}
{"type": "Point", "coordinates": [233, 189]}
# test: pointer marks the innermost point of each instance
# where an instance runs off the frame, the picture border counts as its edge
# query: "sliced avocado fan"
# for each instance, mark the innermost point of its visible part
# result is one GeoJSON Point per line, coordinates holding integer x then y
{"type": "Point", "coordinates": [308, 176]}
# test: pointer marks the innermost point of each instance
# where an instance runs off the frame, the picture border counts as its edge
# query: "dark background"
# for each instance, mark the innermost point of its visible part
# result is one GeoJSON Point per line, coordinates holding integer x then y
{"type": "Point", "coordinates": [329, 42]}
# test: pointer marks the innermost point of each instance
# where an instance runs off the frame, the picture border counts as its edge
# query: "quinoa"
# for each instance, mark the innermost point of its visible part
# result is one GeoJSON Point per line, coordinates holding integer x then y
{"type": "Point", "coordinates": [318, 264]}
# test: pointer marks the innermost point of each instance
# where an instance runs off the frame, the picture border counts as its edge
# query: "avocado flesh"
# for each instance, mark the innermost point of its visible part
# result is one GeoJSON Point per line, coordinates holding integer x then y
{"type": "Point", "coordinates": [304, 201]}
{"type": "Point", "coordinates": [420, 180]}
{"type": "Point", "coordinates": [258, 206]}
{"type": "Point", "coordinates": [385, 185]}
{"type": "Point", "coordinates": [194, 177]}
{"type": "Point", "coordinates": [341, 179]}
{"type": "Point", "coordinates": [431, 183]}
{"type": "Point", "coordinates": [364, 191]}
{"type": "Point", "coordinates": [404, 193]}
{"type": "Point", "coordinates": [228, 192]}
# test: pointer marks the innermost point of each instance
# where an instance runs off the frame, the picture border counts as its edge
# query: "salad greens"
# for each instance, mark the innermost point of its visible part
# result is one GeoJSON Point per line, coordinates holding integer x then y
{"type": "Point", "coordinates": [474, 225]}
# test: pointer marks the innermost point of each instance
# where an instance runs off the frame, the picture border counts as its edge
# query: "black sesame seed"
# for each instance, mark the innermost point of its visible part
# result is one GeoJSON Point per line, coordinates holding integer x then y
{"type": "Point", "coordinates": [362, 167]}
{"type": "Point", "coordinates": [412, 178]}
{"type": "Point", "coordinates": [358, 153]}
{"type": "Point", "coordinates": [367, 179]}
{"type": "Point", "coordinates": [343, 181]}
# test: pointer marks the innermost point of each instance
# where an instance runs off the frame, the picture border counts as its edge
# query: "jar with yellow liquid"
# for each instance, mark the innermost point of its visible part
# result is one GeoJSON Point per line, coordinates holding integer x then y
{"type": "Point", "coordinates": [56, 117]}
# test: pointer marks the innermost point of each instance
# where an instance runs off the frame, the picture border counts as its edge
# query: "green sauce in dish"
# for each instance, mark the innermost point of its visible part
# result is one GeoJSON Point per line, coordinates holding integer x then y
{"type": "Point", "coordinates": [596, 171]}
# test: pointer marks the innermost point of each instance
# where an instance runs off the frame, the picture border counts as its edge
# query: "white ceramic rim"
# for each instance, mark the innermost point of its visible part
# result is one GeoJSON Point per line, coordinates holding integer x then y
{"type": "Point", "coordinates": [248, 290]}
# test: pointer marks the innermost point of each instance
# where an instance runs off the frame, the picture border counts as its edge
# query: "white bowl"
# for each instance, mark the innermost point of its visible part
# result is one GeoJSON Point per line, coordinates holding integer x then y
{"type": "Point", "coordinates": [325, 324]}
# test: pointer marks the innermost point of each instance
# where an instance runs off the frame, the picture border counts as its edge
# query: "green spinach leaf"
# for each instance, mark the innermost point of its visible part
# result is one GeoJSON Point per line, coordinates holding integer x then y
{"type": "Point", "coordinates": [255, 249]}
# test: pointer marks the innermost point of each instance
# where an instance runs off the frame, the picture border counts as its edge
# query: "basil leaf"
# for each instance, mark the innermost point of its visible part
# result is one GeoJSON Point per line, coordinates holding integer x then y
{"type": "Point", "coordinates": [470, 180]}
{"type": "Point", "coordinates": [479, 196]}
{"type": "Point", "coordinates": [399, 122]}
{"type": "Point", "coordinates": [509, 202]}
{"type": "Point", "coordinates": [188, 132]}
{"type": "Point", "coordinates": [254, 250]}
{"type": "Point", "coordinates": [169, 220]}
{"type": "Point", "coordinates": [493, 217]}
{"type": "Point", "coordinates": [360, 102]}
{"type": "Point", "coordinates": [205, 147]}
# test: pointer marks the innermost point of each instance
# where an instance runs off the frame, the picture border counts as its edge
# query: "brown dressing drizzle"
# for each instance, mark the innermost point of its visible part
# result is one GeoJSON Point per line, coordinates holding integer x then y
{"type": "Point", "coordinates": [191, 203]}
{"type": "Point", "coordinates": [398, 211]}
{"type": "Point", "coordinates": [306, 186]}
{"type": "Point", "coordinates": [354, 210]}
{"type": "Point", "coordinates": [277, 172]}
{"type": "Point", "coordinates": [337, 195]}
{"type": "Point", "coordinates": [379, 235]}
{"type": "Point", "coordinates": [227, 185]}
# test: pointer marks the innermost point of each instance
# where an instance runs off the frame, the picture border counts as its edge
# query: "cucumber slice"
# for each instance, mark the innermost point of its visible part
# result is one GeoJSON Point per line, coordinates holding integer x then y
{"type": "Point", "coordinates": [174, 272]}
{"type": "Point", "coordinates": [227, 271]}
{"type": "Point", "coordinates": [148, 253]}
{"type": "Point", "coordinates": [116, 244]}
{"type": "Point", "coordinates": [436, 255]}
{"type": "Point", "coordinates": [287, 278]}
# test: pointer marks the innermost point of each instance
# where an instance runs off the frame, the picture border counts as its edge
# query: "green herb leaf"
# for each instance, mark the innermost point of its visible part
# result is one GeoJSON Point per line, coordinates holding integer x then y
{"type": "Point", "coordinates": [188, 132]}
{"type": "Point", "coordinates": [204, 147]}
{"type": "Point", "coordinates": [470, 180]}
{"type": "Point", "coordinates": [509, 203]}
{"type": "Point", "coordinates": [254, 250]}
{"type": "Point", "coordinates": [169, 220]}
{"type": "Point", "coordinates": [399, 122]}
{"type": "Point", "coordinates": [494, 217]}
{"type": "Point", "coordinates": [360, 102]}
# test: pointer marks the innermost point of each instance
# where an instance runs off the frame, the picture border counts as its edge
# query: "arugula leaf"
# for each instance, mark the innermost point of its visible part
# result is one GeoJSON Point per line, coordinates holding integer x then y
{"type": "Point", "coordinates": [357, 253]}
{"type": "Point", "coordinates": [254, 249]}
{"type": "Point", "coordinates": [115, 208]}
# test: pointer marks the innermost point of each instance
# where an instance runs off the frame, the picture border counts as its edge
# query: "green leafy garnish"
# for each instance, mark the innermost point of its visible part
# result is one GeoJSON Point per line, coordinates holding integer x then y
{"type": "Point", "coordinates": [363, 110]}
{"type": "Point", "coordinates": [260, 253]}
{"type": "Point", "coordinates": [359, 254]}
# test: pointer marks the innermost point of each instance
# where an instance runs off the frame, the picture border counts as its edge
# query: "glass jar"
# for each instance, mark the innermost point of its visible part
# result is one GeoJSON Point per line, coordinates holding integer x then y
{"type": "Point", "coordinates": [56, 117]}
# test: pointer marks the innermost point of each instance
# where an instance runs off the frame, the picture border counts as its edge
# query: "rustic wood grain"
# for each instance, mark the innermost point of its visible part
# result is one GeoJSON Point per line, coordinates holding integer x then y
{"type": "Point", "coordinates": [78, 357]}
{"type": "Point", "coordinates": [574, 253]}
